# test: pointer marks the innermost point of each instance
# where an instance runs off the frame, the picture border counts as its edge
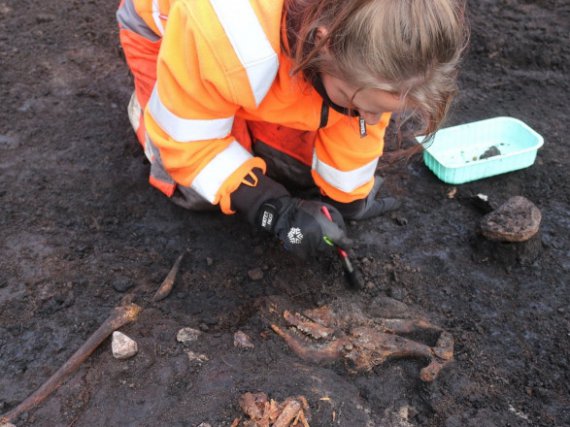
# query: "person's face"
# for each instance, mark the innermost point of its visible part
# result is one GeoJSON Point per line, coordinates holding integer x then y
{"type": "Point", "coordinates": [370, 103]}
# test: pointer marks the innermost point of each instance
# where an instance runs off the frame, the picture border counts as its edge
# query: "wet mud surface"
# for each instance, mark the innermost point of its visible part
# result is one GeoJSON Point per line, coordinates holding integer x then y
{"type": "Point", "coordinates": [81, 230]}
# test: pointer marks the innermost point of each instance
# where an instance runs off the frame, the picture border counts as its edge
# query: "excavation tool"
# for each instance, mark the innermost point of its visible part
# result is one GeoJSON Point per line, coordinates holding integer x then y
{"type": "Point", "coordinates": [353, 276]}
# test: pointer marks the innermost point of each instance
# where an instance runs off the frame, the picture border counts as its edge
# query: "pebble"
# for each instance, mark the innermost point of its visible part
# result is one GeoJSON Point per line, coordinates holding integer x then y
{"type": "Point", "coordinates": [205, 425]}
{"type": "Point", "coordinates": [7, 425]}
{"type": "Point", "coordinates": [255, 274]}
{"type": "Point", "coordinates": [122, 346]}
{"type": "Point", "coordinates": [516, 220]}
{"type": "Point", "coordinates": [242, 340]}
{"type": "Point", "coordinates": [209, 261]}
{"type": "Point", "coordinates": [195, 357]}
{"type": "Point", "coordinates": [122, 284]}
{"type": "Point", "coordinates": [186, 335]}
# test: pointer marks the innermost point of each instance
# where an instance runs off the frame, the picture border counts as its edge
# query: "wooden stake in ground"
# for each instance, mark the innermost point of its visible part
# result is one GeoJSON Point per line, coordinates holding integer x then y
{"type": "Point", "coordinates": [119, 317]}
{"type": "Point", "coordinates": [168, 283]}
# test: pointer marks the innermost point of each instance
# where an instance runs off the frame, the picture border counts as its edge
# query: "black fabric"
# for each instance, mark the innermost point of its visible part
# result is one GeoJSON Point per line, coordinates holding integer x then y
{"type": "Point", "coordinates": [246, 200]}
{"type": "Point", "coordinates": [302, 226]}
{"type": "Point", "coordinates": [368, 207]}
{"type": "Point", "coordinates": [320, 88]}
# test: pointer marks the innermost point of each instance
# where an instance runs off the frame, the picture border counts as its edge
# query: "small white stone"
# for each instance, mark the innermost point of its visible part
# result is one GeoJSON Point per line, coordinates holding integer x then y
{"type": "Point", "coordinates": [205, 425]}
{"type": "Point", "coordinates": [122, 346]}
{"type": "Point", "coordinates": [195, 357]}
{"type": "Point", "coordinates": [186, 335]}
{"type": "Point", "coordinates": [242, 340]}
{"type": "Point", "coordinates": [11, 425]}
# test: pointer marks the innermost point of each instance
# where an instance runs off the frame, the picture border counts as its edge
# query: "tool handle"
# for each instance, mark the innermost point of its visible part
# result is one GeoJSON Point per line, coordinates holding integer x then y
{"type": "Point", "coordinates": [353, 277]}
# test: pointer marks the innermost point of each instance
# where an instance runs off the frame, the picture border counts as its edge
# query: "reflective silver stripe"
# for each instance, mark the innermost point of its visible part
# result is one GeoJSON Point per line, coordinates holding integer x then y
{"type": "Point", "coordinates": [156, 17]}
{"type": "Point", "coordinates": [187, 130]}
{"type": "Point", "coordinates": [156, 167]}
{"type": "Point", "coordinates": [220, 168]}
{"type": "Point", "coordinates": [344, 181]}
{"type": "Point", "coordinates": [128, 18]}
{"type": "Point", "coordinates": [249, 42]}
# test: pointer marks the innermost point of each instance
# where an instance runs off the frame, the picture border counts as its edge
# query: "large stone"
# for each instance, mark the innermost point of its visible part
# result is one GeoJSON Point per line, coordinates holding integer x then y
{"type": "Point", "coordinates": [516, 220]}
{"type": "Point", "coordinates": [122, 346]}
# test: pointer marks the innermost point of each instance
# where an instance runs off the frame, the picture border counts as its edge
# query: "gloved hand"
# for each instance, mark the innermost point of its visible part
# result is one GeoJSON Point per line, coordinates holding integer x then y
{"type": "Point", "coordinates": [302, 226]}
{"type": "Point", "coordinates": [368, 207]}
{"type": "Point", "coordinates": [299, 224]}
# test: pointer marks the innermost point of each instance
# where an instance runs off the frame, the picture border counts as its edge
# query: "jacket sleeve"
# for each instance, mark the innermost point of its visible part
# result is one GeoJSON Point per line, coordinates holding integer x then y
{"type": "Point", "coordinates": [344, 164]}
{"type": "Point", "coordinates": [201, 82]}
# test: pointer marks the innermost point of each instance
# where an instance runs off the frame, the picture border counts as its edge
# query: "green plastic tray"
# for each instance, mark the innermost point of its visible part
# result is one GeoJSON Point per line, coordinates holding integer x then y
{"type": "Point", "coordinates": [481, 149]}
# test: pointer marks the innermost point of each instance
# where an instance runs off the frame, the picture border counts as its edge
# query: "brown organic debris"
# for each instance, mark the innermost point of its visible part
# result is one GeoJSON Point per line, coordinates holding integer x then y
{"type": "Point", "coordinates": [262, 412]}
{"type": "Point", "coordinates": [119, 317]}
{"type": "Point", "coordinates": [346, 333]}
{"type": "Point", "coordinates": [166, 287]}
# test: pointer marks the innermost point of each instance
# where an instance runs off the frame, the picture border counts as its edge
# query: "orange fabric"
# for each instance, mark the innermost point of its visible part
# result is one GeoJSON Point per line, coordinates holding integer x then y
{"type": "Point", "coordinates": [140, 54]}
{"type": "Point", "coordinates": [165, 187]}
{"type": "Point", "coordinates": [294, 142]}
{"type": "Point", "coordinates": [241, 132]}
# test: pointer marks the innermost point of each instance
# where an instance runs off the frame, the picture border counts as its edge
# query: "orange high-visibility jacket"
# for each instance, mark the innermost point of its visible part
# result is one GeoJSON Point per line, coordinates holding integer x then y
{"type": "Point", "coordinates": [215, 64]}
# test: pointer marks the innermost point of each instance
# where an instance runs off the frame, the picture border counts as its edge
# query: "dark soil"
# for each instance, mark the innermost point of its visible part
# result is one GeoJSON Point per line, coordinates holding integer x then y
{"type": "Point", "coordinates": [80, 228]}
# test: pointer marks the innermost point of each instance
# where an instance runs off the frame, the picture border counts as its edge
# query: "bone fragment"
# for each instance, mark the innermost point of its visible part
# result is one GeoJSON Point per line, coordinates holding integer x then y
{"type": "Point", "coordinates": [168, 283]}
{"type": "Point", "coordinates": [290, 411]}
{"type": "Point", "coordinates": [443, 355]}
{"type": "Point", "coordinates": [313, 329]}
{"type": "Point", "coordinates": [119, 317]}
{"type": "Point", "coordinates": [328, 352]}
{"type": "Point", "coordinates": [253, 404]}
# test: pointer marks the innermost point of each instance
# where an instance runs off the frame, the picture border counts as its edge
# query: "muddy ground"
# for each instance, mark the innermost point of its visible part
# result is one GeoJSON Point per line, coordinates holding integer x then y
{"type": "Point", "coordinates": [81, 229]}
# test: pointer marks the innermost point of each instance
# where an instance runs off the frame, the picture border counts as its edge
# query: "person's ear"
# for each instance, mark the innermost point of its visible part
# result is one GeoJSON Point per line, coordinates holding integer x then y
{"type": "Point", "coordinates": [321, 33]}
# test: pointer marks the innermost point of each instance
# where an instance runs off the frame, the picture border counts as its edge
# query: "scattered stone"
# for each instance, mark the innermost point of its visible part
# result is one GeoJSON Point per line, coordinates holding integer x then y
{"type": "Point", "coordinates": [203, 327]}
{"type": "Point", "coordinates": [209, 261]}
{"type": "Point", "coordinates": [122, 346]}
{"type": "Point", "coordinates": [122, 284]}
{"type": "Point", "coordinates": [7, 425]}
{"type": "Point", "coordinates": [255, 274]}
{"type": "Point", "coordinates": [195, 357]}
{"type": "Point", "coordinates": [186, 335]}
{"type": "Point", "coordinates": [399, 219]}
{"type": "Point", "coordinates": [205, 425]}
{"type": "Point", "coordinates": [452, 193]}
{"type": "Point", "coordinates": [517, 220]}
{"type": "Point", "coordinates": [242, 340]}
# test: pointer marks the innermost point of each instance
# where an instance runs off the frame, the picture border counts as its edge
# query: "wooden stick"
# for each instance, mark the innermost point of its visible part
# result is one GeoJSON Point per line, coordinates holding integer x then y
{"type": "Point", "coordinates": [168, 283]}
{"type": "Point", "coordinates": [120, 316]}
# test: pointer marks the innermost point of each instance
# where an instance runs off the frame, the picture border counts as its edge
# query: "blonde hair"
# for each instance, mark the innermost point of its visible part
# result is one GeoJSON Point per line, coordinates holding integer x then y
{"type": "Point", "coordinates": [409, 47]}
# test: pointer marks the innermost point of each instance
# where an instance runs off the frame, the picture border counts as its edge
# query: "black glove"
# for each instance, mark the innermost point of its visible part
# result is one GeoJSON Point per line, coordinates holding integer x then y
{"type": "Point", "coordinates": [368, 207]}
{"type": "Point", "coordinates": [302, 226]}
{"type": "Point", "coordinates": [268, 205]}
